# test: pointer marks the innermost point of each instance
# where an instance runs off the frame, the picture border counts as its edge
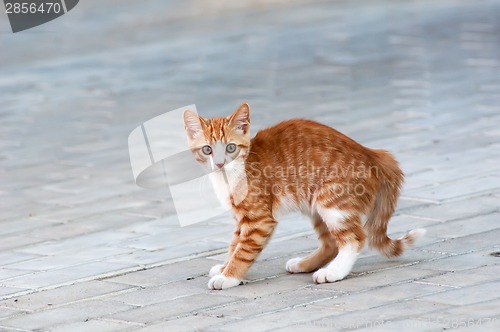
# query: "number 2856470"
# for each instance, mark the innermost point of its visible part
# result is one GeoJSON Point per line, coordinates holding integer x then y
{"type": "Point", "coordinates": [32, 8]}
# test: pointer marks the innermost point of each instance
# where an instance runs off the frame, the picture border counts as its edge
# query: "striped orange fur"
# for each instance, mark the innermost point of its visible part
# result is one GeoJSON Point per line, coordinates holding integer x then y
{"type": "Point", "coordinates": [349, 191]}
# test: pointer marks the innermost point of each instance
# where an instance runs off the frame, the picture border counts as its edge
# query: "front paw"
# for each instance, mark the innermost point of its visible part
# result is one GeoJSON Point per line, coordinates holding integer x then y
{"type": "Point", "coordinates": [222, 282]}
{"type": "Point", "coordinates": [292, 265]}
{"type": "Point", "coordinates": [326, 275]}
{"type": "Point", "coordinates": [215, 270]}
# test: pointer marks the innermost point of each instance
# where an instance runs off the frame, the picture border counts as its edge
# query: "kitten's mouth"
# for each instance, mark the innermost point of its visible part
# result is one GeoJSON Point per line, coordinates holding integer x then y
{"type": "Point", "coordinates": [218, 167]}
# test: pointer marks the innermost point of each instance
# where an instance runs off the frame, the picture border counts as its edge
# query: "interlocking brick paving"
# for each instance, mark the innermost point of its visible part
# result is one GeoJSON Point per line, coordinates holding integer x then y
{"type": "Point", "coordinates": [83, 248]}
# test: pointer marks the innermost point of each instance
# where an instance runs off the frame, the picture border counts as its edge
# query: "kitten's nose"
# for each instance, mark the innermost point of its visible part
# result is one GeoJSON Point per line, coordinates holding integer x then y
{"type": "Point", "coordinates": [220, 165]}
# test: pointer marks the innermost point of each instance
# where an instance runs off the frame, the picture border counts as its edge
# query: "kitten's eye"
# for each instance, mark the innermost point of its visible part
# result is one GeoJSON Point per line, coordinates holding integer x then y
{"type": "Point", "coordinates": [230, 148]}
{"type": "Point", "coordinates": [206, 150]}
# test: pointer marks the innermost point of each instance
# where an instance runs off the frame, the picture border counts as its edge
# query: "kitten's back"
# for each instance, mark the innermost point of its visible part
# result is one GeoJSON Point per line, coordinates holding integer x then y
{"type": "Point", "coordinates": [298, 142]}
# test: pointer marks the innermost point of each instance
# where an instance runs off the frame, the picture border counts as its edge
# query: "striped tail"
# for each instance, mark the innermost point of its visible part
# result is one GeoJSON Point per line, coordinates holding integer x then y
{"type": "Point", "coordinates": [392, 179]}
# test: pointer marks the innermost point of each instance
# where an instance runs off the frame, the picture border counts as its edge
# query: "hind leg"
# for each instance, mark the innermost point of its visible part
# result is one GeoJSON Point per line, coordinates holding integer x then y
{"type": "Point", "coordinates": [347, 230]}
{"type": "Point", "coordinates": [320, 257]}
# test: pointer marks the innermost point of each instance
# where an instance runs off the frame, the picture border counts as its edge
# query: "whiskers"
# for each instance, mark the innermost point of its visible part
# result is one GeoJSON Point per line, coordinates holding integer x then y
{"type": "Point", "coordinates": [204, 185]}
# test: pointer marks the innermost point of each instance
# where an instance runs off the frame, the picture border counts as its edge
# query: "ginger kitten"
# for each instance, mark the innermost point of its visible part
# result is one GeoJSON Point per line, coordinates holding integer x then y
{"type": "Point", "coordinates": [349, 191]}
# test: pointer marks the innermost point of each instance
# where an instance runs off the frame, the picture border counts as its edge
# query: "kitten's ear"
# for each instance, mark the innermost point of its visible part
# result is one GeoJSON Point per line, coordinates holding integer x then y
{"type": "Point", "coordinates": [192, 123]}
{"type": "Point", "coordinates": [240, 119]}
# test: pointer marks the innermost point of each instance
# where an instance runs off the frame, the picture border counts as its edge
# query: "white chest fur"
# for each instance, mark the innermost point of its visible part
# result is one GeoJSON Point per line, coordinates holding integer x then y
{"type": "Point", "coordinates": [230, 184]}
{"type": "Point", "coordinates": [221, 189]}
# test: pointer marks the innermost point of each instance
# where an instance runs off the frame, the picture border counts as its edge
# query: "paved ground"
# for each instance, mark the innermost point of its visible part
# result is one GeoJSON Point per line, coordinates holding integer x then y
{"type": "Point", "coordinates": [83, 248]}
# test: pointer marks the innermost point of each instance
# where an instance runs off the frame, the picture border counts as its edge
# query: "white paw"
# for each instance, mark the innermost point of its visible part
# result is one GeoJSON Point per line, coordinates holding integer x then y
{"type": "Point", "coordinates": [215, 270]}
{"type": "Point", "coordinates": [222, 282]}
{"type": "Point", "coordinates": [327, 275]}
{"type": "Point", "coordinates": [292, 265]}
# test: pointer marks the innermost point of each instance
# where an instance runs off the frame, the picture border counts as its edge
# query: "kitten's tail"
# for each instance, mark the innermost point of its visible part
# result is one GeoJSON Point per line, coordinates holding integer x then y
{"type": "Point", "coordinates": [392, 178]}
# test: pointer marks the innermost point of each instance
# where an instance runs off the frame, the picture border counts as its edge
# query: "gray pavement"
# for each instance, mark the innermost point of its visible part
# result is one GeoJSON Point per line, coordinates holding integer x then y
{"type": "Point", "coordinates": [84, 249]}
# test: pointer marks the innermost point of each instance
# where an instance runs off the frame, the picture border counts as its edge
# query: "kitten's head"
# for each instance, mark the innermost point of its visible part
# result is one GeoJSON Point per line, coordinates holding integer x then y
{"type": "Point", "coordinates": [217, 142]}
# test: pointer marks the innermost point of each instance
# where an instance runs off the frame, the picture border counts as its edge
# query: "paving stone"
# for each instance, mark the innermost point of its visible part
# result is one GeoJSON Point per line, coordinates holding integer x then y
{"type": "Point", "coordinates": [143, 258]}
{"type": "Point", "coordinates": [62, 295]}
{"type": "Point", "coordinates": [9, 312]}
{"type": "Point", "coordinates": [268, 303]}
{"type": "Point", "coordinates": [465, 227]}
{"type": "Point", "coordinates": [476, 316]}
{"type": "Point", "coordinates": [373, 261]}
{"type": "Point", "coordinates": [62, 276]}
{"type": "Point", "coordinates": [173, 238]}
{"type": "Point", "coordinates": [7, 329]}
{"type": "Point", "coordinates": [63, 261]}
{"type": "Point", "coordinates": [377, 279]}
{"type": "Point", "coordinates": [18, 226]}
{"type": "Point", "coordinates": [156, 294]}
{"type": "Point", "coordinates": [404, 325]}
{"type": "Point", "coordinates": [94, 325]}
{"type": "Point", "coordinates": [13, 241]}
{"type": "Point", "coordinates": [467, 243]}
{"type": "Point", "coordinates": [403, 223]}
{"type": "Point", "coordinates": [11, 273]}
{"type": "Point", "coordinates": [9, 257]}
{"type": "Point", "coordinates": [378, 316]}
{"type": "Point", "coordinates": [462, 261]}
{"type": "Point", "coordinates": [85, 226]}
{"type": "Point", "coordinates": [166, 273]}
{"type": "Point", "coordinates": [268, 268]}
{"type": "Point", "coordinates": [467, 295]}
{"type": "Point", "coordinates": [463, 188]}
{"type": "Point", "coordinates": [187, 324]}
{"type": "Point", "coordinates": [465, 278]}
{"type": "Point", "coordinates": [167, 309]}
{"type": "Point", "coordinates": [67, 314]}
{"type": "Point", "coordinates": [70, 211]}
{"type": "Point", "coordinates": [279, 248]}
{"type": "Point", "coordinates": [405, 203]}
{"type": "Point", "coordinates": [147, 257]}
{"type": "Point", "coordinates": [481, 325]}
{"type": "Point", "coordinates": [294, 316]}
{"type": "Point", "coordinates": [458, 209]}
{"type": "Point", "coordinates": [5, 291]}
{"type": "Point", "coordinates": [302, 328]}
{"type": "Point", "coordinates": [290, 225]}
{"type": "Point", "coordinates": [105, 238]}
{"type": "Point", "coordinates": [383, 295]}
